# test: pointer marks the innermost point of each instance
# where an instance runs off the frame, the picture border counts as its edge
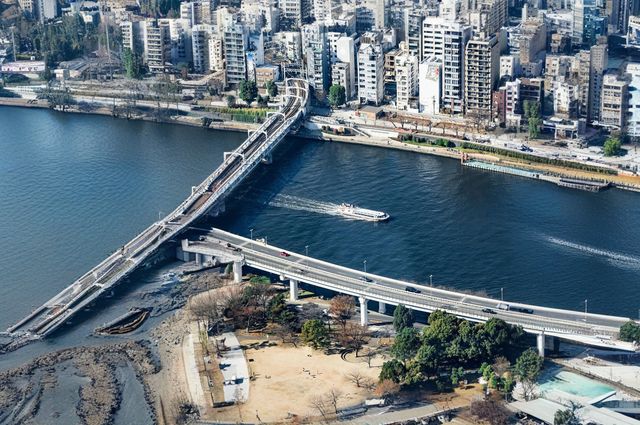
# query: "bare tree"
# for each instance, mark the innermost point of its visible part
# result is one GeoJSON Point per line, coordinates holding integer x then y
{"type": "Point", "coordinates": [342, 308]}
{"type": "Point", "coordinates": [501, 365]}
{"type": "Point", "coordinates": [387, 389]}
{"type": "Point", "coordinates": [356, 377]}
{"type": "Point", "coordinates": [490, 411]}
{"type": "Point", "coordinates": [318, 403]}
{"type": "Point", "coordinates": [334, 396]}
{"type": "Point", "coordinates": [354, 336]}
{"type": "Point", "coordinates": [369, 355]}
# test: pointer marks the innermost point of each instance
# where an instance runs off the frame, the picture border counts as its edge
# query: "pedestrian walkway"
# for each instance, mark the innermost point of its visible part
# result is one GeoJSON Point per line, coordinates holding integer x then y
{"type": "Point", "coordinates": [234, 369]}
{"type": "Point", "coordinates": [191, 372]}
{"type": "Point", "coordinates": [386, 416]}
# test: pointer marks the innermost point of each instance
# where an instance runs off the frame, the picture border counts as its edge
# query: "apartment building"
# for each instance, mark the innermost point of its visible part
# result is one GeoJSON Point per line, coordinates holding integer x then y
{"type": "Point", "coordinates": [482, 66]}
{"type": "Point", "coordinates": [370, 73]}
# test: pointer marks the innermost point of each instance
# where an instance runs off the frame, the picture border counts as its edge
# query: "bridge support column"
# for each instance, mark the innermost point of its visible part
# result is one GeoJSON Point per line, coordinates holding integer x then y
{"type": "Point", "coordinates": [364, 313]}
{"type": "Point", "coordinates": [382, 307]}
{"type": "Point", "coordinates": [237, 271]}
{"type": "Point", "coordinates": [198, 258]}
{"type": "Point", "coordinates": [293, 290]}
{"type": "Point", "coordinates": [540, 341]}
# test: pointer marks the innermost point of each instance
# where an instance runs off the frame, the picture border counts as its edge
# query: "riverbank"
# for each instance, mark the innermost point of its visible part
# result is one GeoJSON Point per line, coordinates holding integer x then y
{"type": "Point", "coordinates": [626, 182]}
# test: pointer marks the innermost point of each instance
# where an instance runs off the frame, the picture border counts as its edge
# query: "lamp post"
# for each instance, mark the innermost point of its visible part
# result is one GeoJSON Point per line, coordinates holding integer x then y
{"type": "Point", "coordinates": [501, 294]}
{"type": "Point", "coordinates": [364, 264]}
{"type": "Point", "coordinates": [251, 231]}
{"type": "Point", "coordinates": [585, 310]}
{"type": "Point", "coordinates": [430, 280]}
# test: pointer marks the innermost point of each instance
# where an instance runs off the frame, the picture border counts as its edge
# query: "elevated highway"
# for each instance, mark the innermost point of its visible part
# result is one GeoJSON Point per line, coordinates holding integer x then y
{"type": "Point", "coordinates": [203, 198]}
{"type": "Point", "coordinates": [590, 329]}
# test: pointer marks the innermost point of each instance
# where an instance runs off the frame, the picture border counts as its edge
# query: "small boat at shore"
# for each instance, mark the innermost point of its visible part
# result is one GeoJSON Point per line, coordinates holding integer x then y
{"type": "Point", "coordinates": [352, 211]}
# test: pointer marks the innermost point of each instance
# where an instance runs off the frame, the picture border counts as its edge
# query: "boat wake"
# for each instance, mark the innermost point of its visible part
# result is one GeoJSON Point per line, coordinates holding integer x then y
{"type": "Point", "coordinates": [616, 258]}
{"type": "Point", "coordinates": [299, 203]}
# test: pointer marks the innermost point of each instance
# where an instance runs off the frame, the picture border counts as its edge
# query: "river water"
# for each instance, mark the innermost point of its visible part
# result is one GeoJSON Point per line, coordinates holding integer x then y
{"type": "Point", "coordinates": [74, 188]}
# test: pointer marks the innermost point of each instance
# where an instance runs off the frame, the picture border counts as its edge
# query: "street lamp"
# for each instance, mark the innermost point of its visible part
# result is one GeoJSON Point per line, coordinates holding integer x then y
{"type": "Point", "coordinates": [430, 280]}
{"type": "Point", "coordinates": [501, 294]}
{"type": "Point", "coordinates": [364, 264]}
{"type": "Point", "coordinates": [585, 310]}
{"type": "Point", "coordinates": [306, 250]}
{"type": "Point", "coordinates": [251, 230]}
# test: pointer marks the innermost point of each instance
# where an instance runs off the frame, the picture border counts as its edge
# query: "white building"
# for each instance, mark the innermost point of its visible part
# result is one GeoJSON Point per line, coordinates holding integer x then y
{"type": "Point", "coordinates": [633, 124]}
{"type": "Point", "coordinates": [446, 41]}
{"type": "Point", "coordinates": [370, 74]}
{"type": "Point", "coordinates": [509, 65]}
{"type": "Point", "coordinates": [430, 85]}
{"type": "Point", "coordinates": [346, 53]}
{"type": "Point", "coordinates": [155, 49]}
{"type": "Point", "coordinates": [235, 41]}
{"type": "Point", "coordinates": [406, 66]}
{"type": "Point", "coordinates": [340, 75]}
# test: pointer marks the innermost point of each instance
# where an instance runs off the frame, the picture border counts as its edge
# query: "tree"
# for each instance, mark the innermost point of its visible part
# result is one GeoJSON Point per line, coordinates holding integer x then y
{"type": "Point", "coordinates": [527, 370]}
{"type": "Point", "coordinates": [132, 64]}
{"type": "Point", "coordinates": [356, 377]}
{"type": "Point", "coordinates": [405, 345]}
{"type": "Point", "coordinates": [392, 370]}
{"type": "Point", "coordinates": [272, 89]}
{"type": "Point", "coordinates": [248, 91]}
{"type": "Point", "coordinates": [567, 416]}
{"type": "Point", "coordinates": [342, 308]}
{"type": "Point", "coordinates": [387, 389]}
{"type": "Point", "coordinates": [231, 101]}
{"type": "Point", "coordinates": [532, 113]}
{"type": "Point", "coordinates": [630, 332]}
{"type": "Point", "coordinates": [354, 336]}
{"type": "Point", "coordinates": [334, 396]}
{"type": "Point", "coordinates": [402, 318]}
{"type": "Point", "coordinates": [490, 411]}
{"type": "Point", "coordinates": [318, 403]}
{"type": "Point", "coordinates": [315, 333]}
{"type": "Point", "coordinates": [612, 146]}
{"type": "Point", "coordinates": [337, 95]}
{"type": "Point", "coordinates": [457, 375]}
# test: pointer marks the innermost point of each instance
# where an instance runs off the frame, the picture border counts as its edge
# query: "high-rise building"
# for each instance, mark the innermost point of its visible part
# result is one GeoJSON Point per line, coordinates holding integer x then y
{"type": "Point", "coordinates": [406, 66]}
{"type": "Point", "coordinates": [485, 16]}
{"type": "Point", "coordinates": [598, 64]}
{"type": "Point", "coordinates": [615, 104]}
{"type": "Point", "coordinates": [370, 73]}
{"type": "Point", "coordinates": [235, 41]}
{"type": "Point", "coordinates": [633, 123]}
{"type": "Point", "coordinates": [482, 66]}
{"type": "Point", "coordinates": [155, 49]}
{"type": "Point", "coordinates": [413, 32]}
{"type": "Point", "coordinates": [446, 41]}
{"type": "Point", "coordinates": [588, 24]}
{"type": "Point", "coordinates": [346, 53]}
{"type": "Point", "coordinates": [316, 57]}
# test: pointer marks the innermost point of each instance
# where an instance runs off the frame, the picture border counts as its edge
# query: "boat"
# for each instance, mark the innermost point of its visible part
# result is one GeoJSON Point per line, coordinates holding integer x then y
{"type": "Point", "coordinates": [352, 211]}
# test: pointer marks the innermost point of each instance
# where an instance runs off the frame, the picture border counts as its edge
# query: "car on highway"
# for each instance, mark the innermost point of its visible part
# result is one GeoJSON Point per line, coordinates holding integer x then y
{"type": "Point", "coordinates": [365, 279]}
{"type": "Point", "coordinates": [489, 311]}
{"type": "Point", "coordinates": [285, 254]}
{"type": "Point", "coordinates": [521, 310]}
{"type": "Point", "coordinates": [412, 289]}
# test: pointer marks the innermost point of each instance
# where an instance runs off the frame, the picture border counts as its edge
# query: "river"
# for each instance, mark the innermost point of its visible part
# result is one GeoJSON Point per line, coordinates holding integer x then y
{"type": "Point", "coordinates": [75, 187]}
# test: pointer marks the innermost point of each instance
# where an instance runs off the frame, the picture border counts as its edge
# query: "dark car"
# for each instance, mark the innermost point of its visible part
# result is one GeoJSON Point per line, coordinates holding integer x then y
{"type": "Point", "coordinates": [521, 310]}
{"type": "Point", "coordinates": [285, 254]}
{"type": "Point", "coordinates": [365, 279]}
{"type": "Point", "coordinates": [489, 311]}
{"type": "Point", "coordinates": [412, 289]}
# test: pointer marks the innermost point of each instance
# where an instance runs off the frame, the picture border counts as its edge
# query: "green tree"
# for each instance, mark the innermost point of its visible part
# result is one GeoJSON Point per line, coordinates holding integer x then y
{"type": "Point", "coordinates": [457, 375]}
{"type": "Point", "coordinates": [630, 332]}
{"type": "Point", "coordinates": [272, 89]}
{"type": "Point", "coordinates": [406, 344]}
{"type": "Point", "coordinates": [612, 146]}
{"type": "Point", "coordinates": [392, 370]}
{"type": "Point", "coordinates": [527, 370]}
{"type": "Point", "coordinates": [337, 95]}
{"type": "Point", "coordinates": [402, 318]}
{"type": "Point", "coordinates": [132, 64]}
{"type": "Point", "coordinates": [231, 101]}
{"type": "Point", "coordinates": [566, 417]}
{"type": "Point", "coordinates": [532, 113]}
{"type": "Point", "coordinates": [248, 91]}
{"type": "Point", "coordinates": [315, 333]}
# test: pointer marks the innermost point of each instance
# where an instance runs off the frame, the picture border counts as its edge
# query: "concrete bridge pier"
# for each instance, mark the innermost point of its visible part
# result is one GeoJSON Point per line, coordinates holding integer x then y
{"type": "Point", "coordinates": [237, 271]}
{"type": "Point", "coordinates": [541, 344]}
{"type": "Point", "coordinates": [198, 258]}
{"type": "Point", "coordinates": [382, 307]}
{"type": "Point", "coordinates": [364, 313]}
{"type": "Point", "coordinates": [293, 290]}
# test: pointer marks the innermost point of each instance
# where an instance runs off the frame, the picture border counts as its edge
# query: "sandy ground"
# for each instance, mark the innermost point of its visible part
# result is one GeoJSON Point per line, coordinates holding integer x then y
{"type": "Point", "coordinates": [286, 378]}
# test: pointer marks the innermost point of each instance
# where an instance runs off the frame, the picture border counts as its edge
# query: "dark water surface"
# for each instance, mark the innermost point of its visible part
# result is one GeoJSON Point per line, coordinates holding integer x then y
{"type": "Point", "coordinates": [74, 188]}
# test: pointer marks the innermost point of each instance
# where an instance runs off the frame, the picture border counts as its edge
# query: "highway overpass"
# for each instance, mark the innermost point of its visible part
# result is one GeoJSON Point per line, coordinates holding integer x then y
{"type": "Point", "coordinates": [595, 330]}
